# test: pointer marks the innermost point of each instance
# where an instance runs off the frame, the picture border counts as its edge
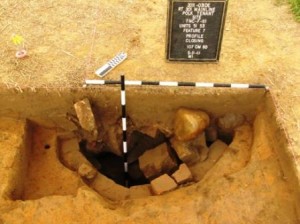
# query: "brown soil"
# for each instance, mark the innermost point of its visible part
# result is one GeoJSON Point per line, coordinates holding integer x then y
{"type": "Point", "coordinates": [68, 40]}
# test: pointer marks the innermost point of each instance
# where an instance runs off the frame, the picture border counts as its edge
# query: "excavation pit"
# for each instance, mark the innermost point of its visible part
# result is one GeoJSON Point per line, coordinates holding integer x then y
{"type": "Point", "coordinates": [261, 178]}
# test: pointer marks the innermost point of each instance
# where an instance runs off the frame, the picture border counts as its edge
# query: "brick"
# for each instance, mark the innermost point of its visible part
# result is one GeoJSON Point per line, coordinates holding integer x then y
{"type": "Point", "coordinates": [163, 184]}
{"type": "Point", "coordinates": [182, 175]}
{"type": "Point", "coordinates": [86, 116]}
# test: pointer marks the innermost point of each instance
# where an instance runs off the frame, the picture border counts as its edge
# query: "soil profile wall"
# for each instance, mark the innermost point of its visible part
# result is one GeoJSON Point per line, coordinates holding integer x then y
{"type": "Point", "coordinates": [143, 104]}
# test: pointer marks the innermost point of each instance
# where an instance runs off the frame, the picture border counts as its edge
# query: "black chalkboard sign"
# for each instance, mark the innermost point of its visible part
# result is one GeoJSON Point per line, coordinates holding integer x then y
{"type": "Point", "coordinates": [195, 30]}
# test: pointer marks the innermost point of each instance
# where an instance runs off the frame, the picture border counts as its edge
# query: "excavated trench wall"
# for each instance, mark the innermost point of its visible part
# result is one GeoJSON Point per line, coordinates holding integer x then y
{"type": "Point", "coordinates": [146, 105]}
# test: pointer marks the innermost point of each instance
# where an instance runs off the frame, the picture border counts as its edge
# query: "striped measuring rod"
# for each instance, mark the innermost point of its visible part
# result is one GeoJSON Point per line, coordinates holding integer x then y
{"type": "Point", "coordinates": [172, 84]}
{"type": "Point", "coordinates": [124, 129]}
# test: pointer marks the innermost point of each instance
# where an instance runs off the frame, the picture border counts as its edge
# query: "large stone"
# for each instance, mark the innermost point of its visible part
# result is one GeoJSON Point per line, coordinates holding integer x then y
{"type": "Point", "coordinates": [216, 150]}
{"type": "Point", "coordinates": [185, 151]}
{"type": "Point", "coordinates": [140, 142]}
{"type": "Point", "coordinates": [230, 121]}
{"type": "Point", "coordinates": [200, 144]}
{"type": "Point", "coordinates": [182, 175]}
{"type": "Point", "coordinates": [189, 123]}
{"type": "Point", "coordinates": [192, 151]}
{"type": "Point", "coordinates": [86, 117]}
{"type": "Point", "coordinates": [163, 184]}
{"type": "Point", "coordinates": [114, 139]}
{"type": "Point", "coordinates": [157, 161]}
{"type": "Point", "coordinates": [211, 133]}
{"type": "Point", "coordinates": [114, 136]}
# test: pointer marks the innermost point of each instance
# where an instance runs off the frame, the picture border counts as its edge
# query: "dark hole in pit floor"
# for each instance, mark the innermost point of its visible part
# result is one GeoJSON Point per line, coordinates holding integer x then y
{"type": "Point", "coordinates": [112, 166]}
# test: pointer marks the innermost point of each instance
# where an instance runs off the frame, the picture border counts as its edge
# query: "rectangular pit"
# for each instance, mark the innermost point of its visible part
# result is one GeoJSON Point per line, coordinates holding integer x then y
{"type": "Point", "coordinates": [152, 104]}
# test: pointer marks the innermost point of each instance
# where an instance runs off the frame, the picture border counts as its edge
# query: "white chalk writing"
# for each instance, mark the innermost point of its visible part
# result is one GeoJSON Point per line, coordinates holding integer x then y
{"type": "Point", "coordinates": [194, 26]}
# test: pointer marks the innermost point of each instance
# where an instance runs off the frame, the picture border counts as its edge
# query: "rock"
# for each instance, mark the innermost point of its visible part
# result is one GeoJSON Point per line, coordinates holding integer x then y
{"type": "Point", "coordinates": [216, 150]}
{"type": "Point", "coordinates": [139, 143]}
{"type": "Point", "coordinates": [163, 184]}
{"type": "Point", "coordinates": [167, 131]}
{"type": "Point", "coordinates": [86, 117]}
{"type": "Point", "coordinates": [211, 133]}
{"type": "Point", "coordinates": [86, 171]}
{"type": "Point", "coordinates": [156, 131]}
{"type": "Point", "coordinates": [109, 189]}
{"type": "Point", "coordinates": [140, 191]}
{"type": "Point", "coordinates": [192, 151]}
{"type": "Point", "coordinates": [200, 144]}
{"type": "Point", "coordinates": [114, 137]}
{"type": "Point", "coordinates": [182, 175]}
{"type": "Point", "coordinates": [157, 161]}
{"type": "Point", "coordinates": [152, 131]}
{"type": "Point", "coordinates": [189, 123]}
{"type": "Point", "coordinates": [230, 121]}
{"type": "Point", "coordinates": [185, 151]}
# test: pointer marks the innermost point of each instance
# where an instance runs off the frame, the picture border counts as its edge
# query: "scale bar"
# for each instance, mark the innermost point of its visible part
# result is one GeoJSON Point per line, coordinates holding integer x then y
{"type": "Point", "coordinates": [174, 84]}
{"type": "Point", "coordinates": [124, 129]}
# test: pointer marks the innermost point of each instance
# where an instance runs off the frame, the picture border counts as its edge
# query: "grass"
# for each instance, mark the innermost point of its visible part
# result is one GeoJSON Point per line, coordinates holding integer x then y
{"type": "Point", "coordinates": [296, 8]}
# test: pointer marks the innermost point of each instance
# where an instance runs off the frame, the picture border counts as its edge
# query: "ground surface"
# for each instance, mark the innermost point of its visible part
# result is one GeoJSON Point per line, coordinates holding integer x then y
{"type": "Point", "coordinates": [68, 40]}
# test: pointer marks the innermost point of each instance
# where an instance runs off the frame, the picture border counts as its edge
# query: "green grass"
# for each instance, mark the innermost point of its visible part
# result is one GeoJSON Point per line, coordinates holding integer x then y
{"type": "Point", "coordinates": [296, 8]}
